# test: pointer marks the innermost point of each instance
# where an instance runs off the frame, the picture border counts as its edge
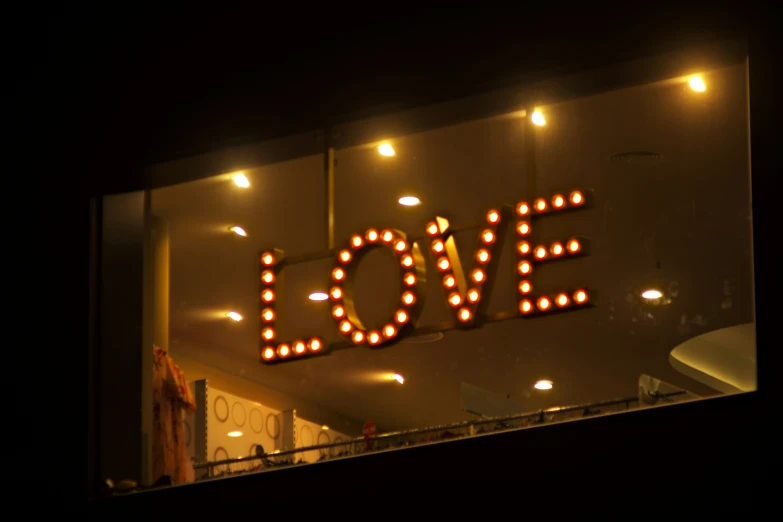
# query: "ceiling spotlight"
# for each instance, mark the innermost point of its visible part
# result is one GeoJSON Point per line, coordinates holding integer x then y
{"type": "Point", "coordinates": [240, 180]}
{"type": "Point", "coordinates": [399, 378]}
{"type": "Point", "coordinates": [386, 150]}
{"type": "Point", "coordinates": [543, 385]}
{"type": "Point", "coordinates": [324, 427]}
{"type": "Point", "coordinates": [538, 118]}
{"type": "Point", "coordinates": [234, 433]}
{"type": "Point", "coordinates": [697, 84]}
{"type": "Point", "coordinates": [238, 231]}
{"type": "Point", "coordinates": [409, 201]}
{"type": "Point", "coordinates": [318, 296]}
{"type": "Point", "coordinates": [235, 316]}
{"type": "Point", "coordinates": [652, 294]}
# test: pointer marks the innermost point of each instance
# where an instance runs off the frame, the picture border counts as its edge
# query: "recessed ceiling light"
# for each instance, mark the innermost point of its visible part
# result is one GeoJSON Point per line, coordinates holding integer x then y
{"type": "Point", "coordinates": [652, 294]}
{"type": "Point", "coordinates": [240, 180]}
{"type": "Point", "coordinates": [234, 433]}
{"type": "Point", "coordinates": [697, 84]}
{"type": "Point", "coordinates": [399, 378]}
{"type": "Point", "coordinates": [324, 427]}
{"type": "Point", "coordinates": [385, 149]}
{"type": "Point", "coordinates": [409, 201]}
{"type": "Point", "coordinates": [318, 296]}
{"type": "Point", "coordinates": [238, 231]}
{"type": "Point", "coordinates": [543, 385]}
{"type": "Point", "coordinates": [538, 118]}
{"type": "Point", "coordinates": [235, 316]}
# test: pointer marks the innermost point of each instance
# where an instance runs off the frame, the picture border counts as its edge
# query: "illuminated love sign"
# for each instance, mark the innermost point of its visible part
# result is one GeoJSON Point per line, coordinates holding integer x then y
{"type": "Point", "coordinates": [467, 293]}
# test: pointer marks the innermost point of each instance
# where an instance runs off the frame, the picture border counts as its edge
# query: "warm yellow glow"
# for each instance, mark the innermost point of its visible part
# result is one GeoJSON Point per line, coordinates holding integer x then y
{"type": "Point", "coordinates": [697, 84]}
{"type": "Point", "coordinates": [234, 433]}
{"type": "Point", "coordinates": [483, 255]}
{"type": "Point", "coordinates": [478, 275]}
{"type": "Point", "coordinates": [389, 330]}
{"type": "Point", "coordinates": [449, 281]}
{"type": "Point", "coordinates": [399, 378]}
{"type": "Point", "coordinates": [267, 259]}
{"type": "Point", "coordinates": [336, 293]}
{"type": "Point", "coordinates": [338, 274]}
{"type": "Point", "coordinates": [408, 298]}
{"type": "Point", "coordinates": [432, 228]}
{"type": "Point", "coordinates": [373, 337]}
{"type": "Point", "coordinates": [524, 267]}
{"type": "Point", "coordinates": [493, 217]}
{"type": "Point", "coordinates": [562, 300]}
{"type": "Point", "coordinates": [338, 312]}
{"type": "Point", "coordinates": [473, 296]}
{"type": "Point", "coordinates": [240, 180]}
{"type": "Point", "coordinates": [315, 345]}
{"type": "Point", "coordinates": [409, 279]}
{"type": "Point", "coordinates": [358, 337]}
{"type": "Point", "coordinates": [299, 347]}
{"type": "Point", "coordinates": [573, 246]}
{"type": "Point", "coordinates": [443, 264]}
{"type": "Point", "coordinates": [525, 306]}
{"type": "Point", "coordinates": [488, 236]}
{"type": "Point", "coordinates": [438, 246]}
{"type": "Point", "coordinates": [283, 350]}
{"type": "Point", "coordinates": [558, 201]}
{"type": "Point", "coordinates": [268, 333]}
{"type": "Point", "coordinates": [543, 385]}
{"type": "Point", "coordinates": [356, 241]}
{"type": "Point", "coordinates": [540, 204]}
{"type": "Point", "coordinates": [400, 245]}
{"type": "Point", "coordinates": [652, 294]}
{"type": "Point", "coordinates": [372, 235]}
{"type": "Point", "coordinates": [523, 247]}
{"type": "Point", "coordinates": [345, 256]}
{"type": "Point", "coordinates": [268, 296]}
{"type": "Point", "coordinates": [318, 296]}
{"type": "Point", "coordinates": [324, 427]}
{"type": "Point", "coordinates": [576, 198]}
{"type": "Point", "coordinates": [409, 201]}
{"type": "Point", "coordinates": [580, 296]}
{"type": "Point", "coordinates": [455, 299]}
{"type": "Point", "coordinates": [268, 315]}
{"type": "Point", "coordinates": [401, 316]}
{"type": "Point", "coordinates": [464, 315]}
{"type": "Point", "coordinates": [346, 326]}
{"type": "Point", "coordinates": [543, 303]}
{"type": "Point", "coordinates": [525, 287]}
{"type": "Point", "coordinates": [387, 236]}
{"type": "Point", "coordinates": [523, 228]}
{"type": "Point", "coordinates": [540, 252]}
{"type": "Point", "coordinates": [238, 231]}
{"type": "Point", "coordinates": [538, 118]}
{"type": "Point", "coordinates": [557, 249]}
{"type": "Point", "coordinates": [269, 353]}
{"type": "Point", "coordinates": [407, 261]}
{"type": "Point", "coordinates": [268, 277]}
{"type": "Point", "coordinates": [385, 149]}
{"type": "Point", "coordinates": [523, 209]}
{"type": "Point", "coordinates": [234, 315]}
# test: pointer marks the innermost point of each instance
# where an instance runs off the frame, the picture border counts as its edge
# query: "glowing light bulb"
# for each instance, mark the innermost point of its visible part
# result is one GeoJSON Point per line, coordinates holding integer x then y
{"type": "Point", "coordinates": [318, 296]}
{"type": "Point", "coordinates": [540, 205]}
{"type": "Point", "coordinates": [525, 287]}
{"type": "Point", "coordinates": [338, 274]}
{"type": "Point", "coordinates": [573, 246]}
{"type": "Point", "coordinates": [234, 433]}
{"type": "Point", "coordinates": [357, 241]}
{"type": "Point", "coordinates": [238, 231]}
{"type": "Point", "coordinates": [543, 303]}
{"type": "Point", "coordinates": [315, 345]}
{"type": "Point", "coordinates": [389, 331]}
{"type": "Point", "coordinates": [268, 296]}
{"type": "Point", "coordinates": [538, 119]}
{"type": "Point", "coordinates": [488, 236]}
{"type": "Point", "coordinates": [346, 326]}
{"type": "Point", "coordinates": [373, 337]}
{"type": "Point", "coordinates": [525, 307]}
{"type": "Point", "coordinates": [338, 312]}
{"type": "Point", "coordinates": [432, 228]}
{"type": "Point", "coordinates": [493, 217]}
{"type": "Point", "coordinates": [409, 279]}
{"type": "Point", "coordinates": [576, 198]}
{"type": "Point", "coordinates": [580, 296]}
{"type": "Point", "coordinates": [562, 300]}
{"type": "Point", "coordinates": [438, 246]}
{"type": "Point", "coordinates": [267, 259]}
{"type": "Point", "coordinates": [268, 315]}
{"type": "Point", "coordinates": [408, 298]}
{"type": "Point", "coordinates": [464, 315]}
{"type": "Point", "coordinates": [523, 247]}
{"type": "Point", "coordinates": [372, 235]}
{"type": "Point", "coordinates": [269, 353]}
{"type": "Point", "coordinates": [652, 294]}
{"type": "Point", "coordinates": [409, 201]}
{"type": "Point", "coordinates": [443, 264]}
{"type": "Point", "coordinates": [557, 249]}
{"type": "Point", "coordinates": [240, 180]}
{"type": "Point", "coordinates": [235, 316]}
{"type": "Point", "coordinates": [336, 293]}
{"type": "Point", "coordinates": [473, 296]}
{"type": "Point", "coordinates": [543, 385]}
{"type": "Point", "coordinates": [299, 347]}
{"type": "Point", "coordinates": [387, 236]}
{"type": "Point", "coordinates": [399, 378]}
{"type": "Point", "coordinates": [483, 255]}
{"type": "Point", "coordinates": [283, 350]}
{"type": "Point", "coordinates": [268, 277]}
{"type": "Point", "coordinates": [449, 281]}
{"type": "Point", "coordinates": [524, 268]}
{"type": "Point", "coordinates": [401, 316]}
{"type": "Point", "coordinates": [523, 209]}
{"type": "Point", "coordinates": [358, 337]}
{"type": "Point", "coordinates": [478, 275]}
{"type": "Point", "coordinates": [558, 201]}
{"type": "Point", "coordinates": [385, 149]}
{"type": "Point", "coordinates": [455, 299]}
{"type": "Point", "coordinates": [540, 252]}
{"type": "Point", "coordinates": [697, 84]}
{"type": "Point", "coordinates": [523, 228]}
{"type": "Point", "coordinates": [407, 261]}
{"type": "Point", "coordinates": [345, 256]}
{"type": "Point", "coordinates": [268, 333]}
{"type": "Point", "coordinates": [400, 246]}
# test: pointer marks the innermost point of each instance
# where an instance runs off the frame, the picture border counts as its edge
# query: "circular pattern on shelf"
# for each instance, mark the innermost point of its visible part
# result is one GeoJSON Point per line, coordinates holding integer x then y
{"type": "Point", "coordinates": [220, 454]}
{"type": "Point", "coordinates": [306, 436]}
{"type": "Point", "coordinates": [238, 414]}
{"type": "Point", "coordinates": [221, 408]}
{"type": "Point", "coordinates": [273, 432]}
{"type": "Point", "coordinates": [256, 420]}
{"type": "Point", "coordinates": [186, 429]}
{"type": "Point", "coordinates": [252, 451]}
{"type": "Point", "coordinates": [323, 437]}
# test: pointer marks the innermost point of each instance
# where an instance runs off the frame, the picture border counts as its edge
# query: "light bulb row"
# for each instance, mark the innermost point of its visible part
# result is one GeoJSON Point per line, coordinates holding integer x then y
{"type": "Point", "coordinates": [272, 351]}
{"type": "Point", "coordinates": [549, 303]}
